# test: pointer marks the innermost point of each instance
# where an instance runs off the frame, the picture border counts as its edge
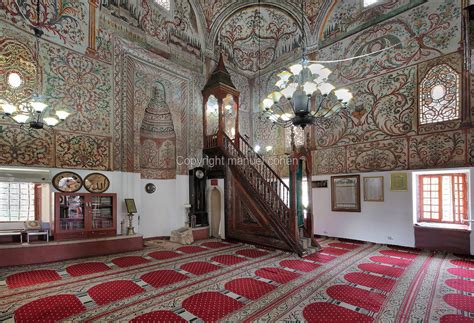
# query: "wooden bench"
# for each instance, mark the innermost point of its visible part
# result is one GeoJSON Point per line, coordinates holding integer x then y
{"type": "Point", "coordinates": [37, 233]}
{"type": "Point", "coordinates": [12, 233]}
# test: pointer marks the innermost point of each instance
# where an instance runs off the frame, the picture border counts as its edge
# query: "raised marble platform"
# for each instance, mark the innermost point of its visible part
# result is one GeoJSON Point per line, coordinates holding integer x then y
{"type": "Point", "coordinates": [42, 252]}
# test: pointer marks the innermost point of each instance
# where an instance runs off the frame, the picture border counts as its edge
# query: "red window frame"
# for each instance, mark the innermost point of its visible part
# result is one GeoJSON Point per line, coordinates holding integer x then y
{"type": "Point", "coordinates": [434, 194]}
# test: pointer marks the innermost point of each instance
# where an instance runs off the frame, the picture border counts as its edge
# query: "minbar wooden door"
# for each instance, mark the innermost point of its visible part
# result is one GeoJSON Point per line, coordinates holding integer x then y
{"type": "Point", "coordinates": [84, 215]}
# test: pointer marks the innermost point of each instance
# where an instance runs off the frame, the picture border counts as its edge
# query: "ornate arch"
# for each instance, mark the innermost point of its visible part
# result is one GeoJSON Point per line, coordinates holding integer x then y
{"type": "Point", "coordinates": [157, 137]}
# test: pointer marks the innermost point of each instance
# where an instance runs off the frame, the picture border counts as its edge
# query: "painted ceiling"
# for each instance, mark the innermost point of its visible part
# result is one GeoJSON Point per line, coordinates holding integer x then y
{"type": "Point", "coordinates": [255, 35]}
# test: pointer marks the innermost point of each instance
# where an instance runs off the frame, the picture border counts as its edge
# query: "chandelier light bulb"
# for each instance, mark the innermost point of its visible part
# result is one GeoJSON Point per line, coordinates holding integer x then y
{"type": "Point", "coordinates": [296, 68]}
{"type": "Point", "coordinates": [51, 121]}
{"type": "Point", "coordinates": [14, 80]}
{"type": "Point", "coordinates": [315, 68]}
{"type": "Point", "coordinates": [257, 148]}
{"type": "Point", "coordinates": [343, 95]}
{"type": "Point", "coordinates": [268, 148]}
{"type": "Point", "coordinates": [310, 87]}
{"type": "Point", "coordinates": [267, 103]}
{"type": "Point", "coordinates": [275, 96]}
{"type": "Point", "coordinates": [38, 106]}
{"type": "Point", "coordinates": [8, 108]}
{"type": "Point", "coordinates": [21, 118]}
{"type": "Point", "coordinates": [326, 88]}
{"type": "Point", "coordinates": [62, 115]}
{"type": "Point", "coordinates": [289, 90]}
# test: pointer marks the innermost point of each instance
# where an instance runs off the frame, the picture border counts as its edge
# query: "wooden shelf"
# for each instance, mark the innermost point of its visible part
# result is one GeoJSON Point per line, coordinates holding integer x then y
{"type": "Point", "coordinates": [84, 215]}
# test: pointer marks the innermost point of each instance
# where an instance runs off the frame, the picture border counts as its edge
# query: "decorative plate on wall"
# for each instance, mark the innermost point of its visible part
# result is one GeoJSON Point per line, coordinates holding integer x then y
{"type": "Point", "coordinates": [150, 188]}
{"type": "Point", "coordinates": [96, 183]}
{"type": "Point", "coordinates": [67, 182]}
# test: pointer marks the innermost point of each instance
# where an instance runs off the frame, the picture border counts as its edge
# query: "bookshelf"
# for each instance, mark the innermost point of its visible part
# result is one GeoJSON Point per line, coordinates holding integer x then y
{"type": "Point", "coordinates": [84, 215]}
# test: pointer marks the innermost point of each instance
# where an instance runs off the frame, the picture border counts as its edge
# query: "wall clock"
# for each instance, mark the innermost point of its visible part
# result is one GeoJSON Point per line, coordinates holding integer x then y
{"type": "Point", "coordinates": [96, 183]}
{"type": "Point", "coordinates": [67, 182]}
{"type": "Point", "coordinates": [150, 188]}
{"type": "Point", "coordinates": [199, 173]}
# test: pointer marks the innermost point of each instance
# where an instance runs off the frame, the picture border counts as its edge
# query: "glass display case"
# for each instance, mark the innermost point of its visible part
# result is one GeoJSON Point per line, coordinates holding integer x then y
{"type": "Point", "coordinates": [84, 215]}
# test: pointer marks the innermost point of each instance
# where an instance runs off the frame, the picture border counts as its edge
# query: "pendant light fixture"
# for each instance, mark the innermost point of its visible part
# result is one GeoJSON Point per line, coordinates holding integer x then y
{"type": "Point", "coordinates": [32, 112]}
{"type": "Point", "coordinates": [290, 103]}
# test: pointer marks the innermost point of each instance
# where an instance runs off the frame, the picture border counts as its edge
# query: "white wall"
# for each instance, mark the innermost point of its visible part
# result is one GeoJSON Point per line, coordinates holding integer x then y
{"type": "Point", "coordinates": [163, 211]}
{"type": "Point", "coordinates": [159, 212]}
{"type": "Point", "coordinates": [388, 222]}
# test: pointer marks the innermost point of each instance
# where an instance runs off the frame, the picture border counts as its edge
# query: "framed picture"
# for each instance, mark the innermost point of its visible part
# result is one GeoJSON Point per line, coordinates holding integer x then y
{"type": "Point", "coordinates": [96, 183]}
{"type": "Point", "coordinates": [345, 193]}
{"type": "Point", "coordinates": [67, 182]}
{"type": "Point", "coordinates": [399, 182]}
{"type": "Point", "coordinates": [130, 204]}
{"type": "Point", "coordinates": [319, 184]}
{"type": "Point", "coordinates": [373, 189]}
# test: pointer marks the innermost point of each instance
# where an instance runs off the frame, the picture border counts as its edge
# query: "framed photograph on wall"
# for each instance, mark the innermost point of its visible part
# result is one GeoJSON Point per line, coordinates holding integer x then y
{"type": "Point", "coordinates": [130, 204]}
{"type": "Point", "coordinates": [399, 182]}
{"type": "Point", "coordinates": [345, 193]}
{"type": "Point", "coordinates": [373, 189]}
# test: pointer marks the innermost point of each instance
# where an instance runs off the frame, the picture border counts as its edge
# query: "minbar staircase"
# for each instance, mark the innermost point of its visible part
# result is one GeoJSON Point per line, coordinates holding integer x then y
{"type": "Point", "coordinates": [264, 186]}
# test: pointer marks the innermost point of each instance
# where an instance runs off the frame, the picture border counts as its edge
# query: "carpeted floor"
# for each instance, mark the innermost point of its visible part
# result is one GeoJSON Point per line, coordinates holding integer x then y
{"type": "Point", "coordinates": [212, 280]}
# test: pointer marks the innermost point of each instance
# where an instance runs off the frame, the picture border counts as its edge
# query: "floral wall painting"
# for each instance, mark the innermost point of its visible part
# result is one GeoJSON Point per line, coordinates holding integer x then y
{"type": "Point", "coordinates": [374, 189]}
{"type": "Point", "coordinates": [254, 37]}
{"type": "Point", "coordinates": [399, 182]}
{"type": "Point", "coordinates": [345, 193]}
{"type": "Point", "coordinates": [347, 17]}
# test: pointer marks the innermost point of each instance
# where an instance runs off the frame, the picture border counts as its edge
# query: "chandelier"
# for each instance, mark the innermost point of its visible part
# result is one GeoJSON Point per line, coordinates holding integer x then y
{"type": "Point", "coordinates": [32, 112]}
{"type": "Point", "coordinates": [299, 84]}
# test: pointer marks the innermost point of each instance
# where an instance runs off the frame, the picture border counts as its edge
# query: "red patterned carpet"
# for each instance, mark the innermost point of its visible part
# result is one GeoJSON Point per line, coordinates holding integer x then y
{"type": "Point", "coordinates": [211, 281]}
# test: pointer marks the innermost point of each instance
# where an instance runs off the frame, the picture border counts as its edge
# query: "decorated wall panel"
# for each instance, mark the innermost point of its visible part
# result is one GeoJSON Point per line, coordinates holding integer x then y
{"type": "Point", "coordinates": [64, 22]}
{"type": "Point", "coordinates": [347, 17]}
{"type": "Point", "coordinates": [378, 156]}
{"type": "Point", "coordinates": [382, 130]}
{"type": "Point", "coordinates": [175, 32]}
{"type": "Point", "coordinates": [136, 72]}
{"type": "Point", "coordinates": [82, 151]}
{"type": "Point", "coordinates": [382, 108]}
{"type": "Point", "coordinates": [255, 37]}
{"type": "Point", "coordinates": [18, 147]}
{"type": "Point", "coordinates": [81, 85]}
{"type": "Point", "coordinates": [447, 149]}
{"type": "Point", "coordinates": [71, 81]}
{"type": "Point", "coordinates": [427, 31]}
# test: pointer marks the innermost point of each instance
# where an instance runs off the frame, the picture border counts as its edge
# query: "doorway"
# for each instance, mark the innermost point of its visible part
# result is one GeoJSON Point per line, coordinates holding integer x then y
{"type": "Point", "coordinates": [215, 208]}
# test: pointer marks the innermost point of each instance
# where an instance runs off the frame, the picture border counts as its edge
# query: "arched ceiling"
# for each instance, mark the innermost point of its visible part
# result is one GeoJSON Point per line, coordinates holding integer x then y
{"type": "Point", "coordinates": [255, 35]}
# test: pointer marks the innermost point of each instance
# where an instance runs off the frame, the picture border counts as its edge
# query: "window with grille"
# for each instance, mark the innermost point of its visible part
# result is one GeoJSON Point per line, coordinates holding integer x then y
{"type": "Point", "coordinates": [166, 4]}
{"type": "Point", "coordinates": [368, 3]}
{"type": "Point", "coordinates": [439, 95]}
{"type": "Point", "coordinates": [443, 198]}
{"type": "Point", "coordinates": [17, 201]}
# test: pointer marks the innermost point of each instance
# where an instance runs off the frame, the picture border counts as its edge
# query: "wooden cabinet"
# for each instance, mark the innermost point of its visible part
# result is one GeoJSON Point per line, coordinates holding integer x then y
{"type": "Point", "coordinates": [84, 215]}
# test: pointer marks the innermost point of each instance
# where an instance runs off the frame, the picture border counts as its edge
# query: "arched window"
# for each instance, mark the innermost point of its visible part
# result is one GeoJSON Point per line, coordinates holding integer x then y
{"type": "Point", "coordinates": [439, 95]}
{"type": "Point", "coordinates": [164, 3]}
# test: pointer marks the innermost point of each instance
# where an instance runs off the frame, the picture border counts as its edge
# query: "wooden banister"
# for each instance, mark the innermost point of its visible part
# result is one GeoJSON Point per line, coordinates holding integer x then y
{"type": "Point", "coordinates": [272, 191]}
